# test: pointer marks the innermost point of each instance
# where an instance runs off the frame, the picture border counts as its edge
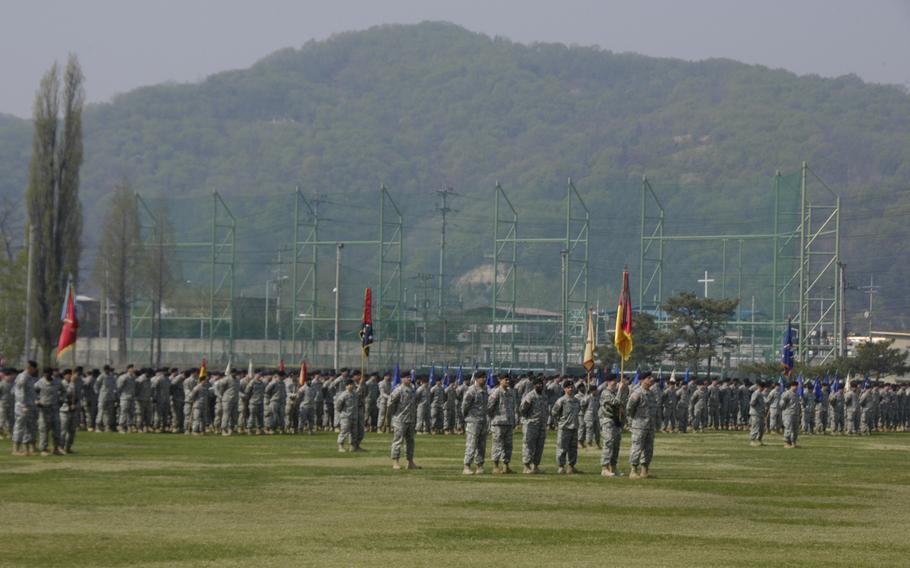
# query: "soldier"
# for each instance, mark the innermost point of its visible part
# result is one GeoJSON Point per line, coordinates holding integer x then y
{"type": "Point", "coordinates": [807, 409]}
{"type": "Point", "coordinates": [790, 410]}
{"type": "Point", "coordinates": [290, 404]}
{"type": "Point", "coordinates": [723, 401]}
{"type": "Point", "coordinates": [501, 408]}
{"type": "Point", "coordinates": [534, 412]}
{"type": "Point", "coordinates": [403, 410]}
{"type": "Point", "coordinates": [199, 400]}
{"type": "Point", "coordinates": [713, 402]}
{"type": "Point", "coordinates": [437, 408]}
{"type": "Point", "coordinates": [554, 392]}
{"type": "Point", "coordinates": [867, 411]}
{"type": "Point", "coordinates": [582, 396]}
{"type": "Point", "coordinates": [70, 405]}
{"type": "Point", "coordinates": [161, 393]}
{"type": "Point", "coordinates": [177, 401]}
{"type": "Point", "coordinates": [669, 399]}
{"type": "Point", "coordinates": [372, 403]}
{"type": "Point", "coordinates": [230, 394]}
{"type": "Point", "coordinates": [7, 402]}
{"type": "Point", "coordinates": [126, 388]}
{"type": "Point", "coordinates": [451, 401]}
{"type": "Point", "coordinates": [26, 411]}
{"type": "Point", "coordinates": [699, 403]}
{"type": "Point", "coordinates": [189, 384]}
{"type": "Point", "coordinates": [773, 402]}
{"type": "Point", "coordinates": [143, 401]}
{"type": "Point", "coordinates": [255, 391]}
{"type": "Point", "coordinates": [106, 393]}
{"type": "Point", "coordinates": [611, 422]}
{"type": "Point", "coordinates": [48, 388]}
{"type": "Point", "coordinates": [836, 410]}
{"type": "Point", "coordinates": [89, 411]}
{"type": "Point", "coordinates": [382, 403]}
{"type": "Point", "coordinates": [591, 418]}
{"type": "Point", "coordinates": [270, 403]}
{"type": "Point", "coordinates": [474, 409]}
{"type": "Point", "coordinates": [345, 414]}
{"type": "Point", "coordinates": [460, 389]}
{"type": "Point", "coordinates": [216, 390]}
{"type": "Point", "coordinates": [423, 406]}
{"type": "Point", "coordinates": [757, 412]}
{"type": "Point", "coordinates": [821, 408]}
{"type": "Point", "coordinates": [642, 410]}
{"type": "Point", "coordinates": [682, 409]}
{"type": "Point", "coordinates": [328, 402]}
{"type": "Point", "coordinates": [566, 412]}
{"type": "Point", "coordinates": [310, 397]}
{"type": "Point", "coordinates": [360, 414]}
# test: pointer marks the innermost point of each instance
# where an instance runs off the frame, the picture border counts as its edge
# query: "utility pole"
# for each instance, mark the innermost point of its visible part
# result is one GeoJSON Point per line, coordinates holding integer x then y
{"type": "Point", "coordinates": [842, 332]}
{"type": "Point", "coordinates": [107, 316]}
{"type": "Point", "coordinates": [872, 290]}
{"type": "Point", "coordinates": [443, 210]}
{"type": "Point", "coordinates": [278, 306]}
{"type": "Point", "coordinates": [268, 284]}
{"type": "Point", "coordinates": [564, 255]}
{"type": "Point", "coordinates": [28, 293]}
{"type": "Point", "coordinates": [335, 347]}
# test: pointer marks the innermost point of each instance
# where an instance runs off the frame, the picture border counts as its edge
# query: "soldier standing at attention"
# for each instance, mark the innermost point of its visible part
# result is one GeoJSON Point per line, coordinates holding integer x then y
{"type": "Point", "coordinates": [106, 389]}
{"type": "Point", "coordinates": [865, 406]}
{"type": "Point", "coordinates": [682, 409]}
{"type": "Point", "coordinates": [642, 411]}
{"type": "Point", "coordinates": [757, 411]}
{"type": "Point", "coordinates": [611, 423]}
{"type": "Point", "coordinates": [836, 409]}
{"type": "Point", "coordinates": [790, 410]}
{"type": "Point", "coordinates": [162, 395]}
{"type": "Point", "coordinates": [49, 387]}
{"type": "Point", "coordinates": [437, 408]}
{"type": "Point", "coordinates": [566, 412]}
{"type": "Point", "coordinates": [773, 400]}
{"type": "Point", "coordinates": [199, 400]}
{"type": "Point", "coordinates": [126, 387]}
{"type": "Point", "coordinates": [143, 420]}
{"type": "Point", "coordinates": [177, 401]}
{"type": "Point", "coordinates": [230, 393]}
{"type": "Point", "coordinates": [26, 410]}
{"type": "Point", "coordinates": [670, 399]}
{"type": "Point", "coordinates": [501, 407]}
{"type": "Point", "coordinates": [89, 398]}
{"type": "Point", "coordinates": [345, 414]}
{"type": "Point", "coordinates": [534, 411]}
{"type": "Point", "coordinates": [851, 409]}
{"type": "Point", "coordinates": [713, 400]}
{"type": "Point", "coordinates": [290, 404]}
{"type": "Point", "coordinates": [310, 397]}
{"type": "Point", "coordinates": [423, 406]}
{"type": "Point", "coordinates": [385, 391]}
{"type": "Point", "coordinates": [403, 410]}
{"type": "Point", "coordinates": [592, 418]}
{"type": "Point", "coordinates": [821, 409]}
{"type": "Point", "coordinates": [358, 427]}
{"type": "Point", "coordinates": [451, 401]}
{"type": "Point", "coordinates": [256, 392]}
{"type": "Point", "coordinates": [372, 406]}
{"type": "Point", "coordinates": [474, 410]}
{"type": "Point", "coordinates": [189, 384]}
{"type": "Point", "coordinates": [70, 405]}
{"type": "Point", "coordinates": [699, 404]}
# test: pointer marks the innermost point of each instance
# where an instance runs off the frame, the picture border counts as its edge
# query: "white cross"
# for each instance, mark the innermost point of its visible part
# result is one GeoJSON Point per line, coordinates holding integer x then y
{"type": "Point", "coordinates": [706, 281]}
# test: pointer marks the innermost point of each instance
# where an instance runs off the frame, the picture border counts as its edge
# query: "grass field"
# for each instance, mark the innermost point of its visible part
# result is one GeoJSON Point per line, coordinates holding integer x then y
{"type": "Point", "coordinates": [169, 500]}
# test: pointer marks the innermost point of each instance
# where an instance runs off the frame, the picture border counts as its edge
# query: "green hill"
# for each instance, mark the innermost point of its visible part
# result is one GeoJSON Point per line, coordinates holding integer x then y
{"type": "Point", "coordinates": [419, 106]}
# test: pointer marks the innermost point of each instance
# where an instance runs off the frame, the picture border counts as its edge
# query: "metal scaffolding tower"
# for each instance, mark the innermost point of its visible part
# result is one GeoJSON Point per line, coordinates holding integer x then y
{"type": "Point", "coordinates": [574, 258]}
{"type": "Point", "coordinates": [804, 283]}
{"type": "Point", "coordinates": [387, 307]}
{"type": "Point", "coordinates": [223, 259]}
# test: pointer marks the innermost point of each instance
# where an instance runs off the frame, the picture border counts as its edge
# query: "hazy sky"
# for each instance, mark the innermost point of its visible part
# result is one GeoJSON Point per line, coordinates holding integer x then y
{"type": "Point", "coordinates": [124, 44]}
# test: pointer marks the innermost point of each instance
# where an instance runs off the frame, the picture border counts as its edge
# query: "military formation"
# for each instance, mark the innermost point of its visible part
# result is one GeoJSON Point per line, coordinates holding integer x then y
{"type": "Point", "coordinates": [43, 411]}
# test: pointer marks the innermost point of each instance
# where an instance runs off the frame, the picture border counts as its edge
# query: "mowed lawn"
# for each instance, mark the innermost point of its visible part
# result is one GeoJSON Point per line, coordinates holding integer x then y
{"type": "Point", "coordinates": [173, 500]}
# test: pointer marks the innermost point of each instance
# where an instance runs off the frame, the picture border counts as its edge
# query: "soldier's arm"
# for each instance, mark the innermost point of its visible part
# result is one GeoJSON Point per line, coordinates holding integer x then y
{"type": "Point", "coordinates": [492, 402]}
{"type": "Point", "coordinates": [467, 402]}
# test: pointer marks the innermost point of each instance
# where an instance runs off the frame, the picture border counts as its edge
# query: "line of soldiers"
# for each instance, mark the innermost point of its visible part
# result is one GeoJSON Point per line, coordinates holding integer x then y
{"type": "Point", "coordinates": [53, 406]}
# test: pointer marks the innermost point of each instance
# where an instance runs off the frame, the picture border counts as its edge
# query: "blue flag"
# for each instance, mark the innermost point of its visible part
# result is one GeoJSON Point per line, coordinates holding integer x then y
{"type": "Point", "coordinates": [787, 351]}
{"type": "Point", "coordinates": [490, 382]}
{"type": "Point", "coordinates": [686, 378]}
{"type": "Point", "coordinates": [445, 378]}
{"type": "Point", "coordinates": [836, 386]}
{"type": "Point", "coordinates": [433, 376]}
{"type": "Point", "coordinates": [800, 390]}
{"type": "Point", "coordinates": [396, 378]}
{"type": "Point", "coordinates": [459, 378]}
{"type": "Point", "coordinates": [818, 390]}
{"type": "Point", "coordinates": [660, 379]}
{"type": "Point", "coordinates": [866, 382]}
{"type": "Point", "coordinates": [636, 377]}
{"type": "Point", "coordinates": [600, 376]}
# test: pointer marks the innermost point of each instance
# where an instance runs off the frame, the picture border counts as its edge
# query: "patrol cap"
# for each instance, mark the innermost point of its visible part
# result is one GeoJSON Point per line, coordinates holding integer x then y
{"type": "Point", "coordinates": [537, 381]}
{"type": "Point", "coordinates": [567, 384]}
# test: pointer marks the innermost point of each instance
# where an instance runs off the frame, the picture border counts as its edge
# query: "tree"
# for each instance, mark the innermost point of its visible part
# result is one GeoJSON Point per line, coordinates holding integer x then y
{"type": "Point", "coordinates": [650, 345]}
{"type": "Point", "coordinates": [881, 358]}
{"type": "Point", "coordinates": [698, 327]}
{"type": "Point", "coordinates": [54, 209]}
{"type": "Point", "coordinates": [12, 274]}
{"type": "Point", "coordinates": [158, 273]}
{"type": "Point", "coordinates": [117, 258]}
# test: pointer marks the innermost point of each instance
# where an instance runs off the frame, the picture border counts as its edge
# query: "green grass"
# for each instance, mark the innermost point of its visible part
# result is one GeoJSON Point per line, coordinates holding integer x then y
{"type": "Point", "coordinates": [169, 500]}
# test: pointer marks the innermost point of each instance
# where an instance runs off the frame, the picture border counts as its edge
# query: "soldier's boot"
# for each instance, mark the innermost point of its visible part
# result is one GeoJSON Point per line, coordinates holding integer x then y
{"type": "Point", "coordinates": [496, 469]}
{"type": "Point", "coordinates": [527, 470]}
{"type": "Point", "coordinates": [45, 453]}
{"type": "Point", "coordinates": [635, 473]}
{"type": "Point", "coordinates": [17, 450]}
{"type": "Point", "coordinates": [479, 470]}
{"type": "Point", "coordinates": [570, 470]}
{"type": "Point", "coordinates": [412, 465]}
{"type": "Point", "coordinates": [396, 464]}
{"type": "Point", "coordinates": [582, 444]}
{"type": "Point", "coordinates": [508, 469]}
{"type": "Point", "coordinates": [341, 449]}
{"type": "Point", "coordinates": [467, 470]}
{"type": "Point", "coordinates": [607, 471]}
{"type": "Point", "coordinates": [645, 472]}
{"type": "Point", "coordinates": [561, 470]}
{"type": "Point", "coordinates": [536, 469]}
{"type": "Point", "coordinates": [755, 443]}
{"type": "Point", "coordinates": [357, 449]}
{"type": "Point", "coordinates": [58, 451]}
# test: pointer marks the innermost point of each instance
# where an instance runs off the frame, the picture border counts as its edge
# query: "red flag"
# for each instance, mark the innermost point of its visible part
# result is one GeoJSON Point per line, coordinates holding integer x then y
{"type": "Point", "coordinates": [623, 338]}
{"type": "Point", "coordinates": [303, 371]}
{"type": "Point", "coordinates": [281, 366]}
{"type": "Point", "coordinates": [366, 329]}
{"type": "Point", "coordinates": [70, 325]}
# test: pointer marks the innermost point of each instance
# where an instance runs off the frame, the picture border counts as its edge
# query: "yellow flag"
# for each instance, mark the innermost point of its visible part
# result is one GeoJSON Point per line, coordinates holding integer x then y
{"type": "Point", "coordinates": [587, 360]}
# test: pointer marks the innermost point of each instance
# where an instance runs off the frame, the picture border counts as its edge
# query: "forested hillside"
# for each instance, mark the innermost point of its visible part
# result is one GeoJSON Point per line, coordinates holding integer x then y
{"type": "Point", "coordinates": [417, 107]}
